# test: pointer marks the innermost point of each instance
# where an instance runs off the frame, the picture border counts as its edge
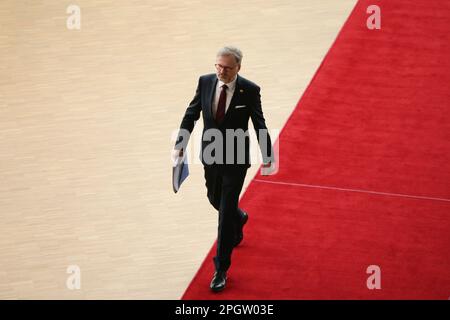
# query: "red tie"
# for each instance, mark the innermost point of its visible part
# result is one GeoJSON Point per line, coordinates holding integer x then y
{"type": "Point", "coordinates": [220, 114]}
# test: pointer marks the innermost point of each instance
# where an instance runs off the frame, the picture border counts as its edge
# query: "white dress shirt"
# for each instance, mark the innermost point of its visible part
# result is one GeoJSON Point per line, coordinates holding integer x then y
{"type": "Point", "coordinates": [230, 91]}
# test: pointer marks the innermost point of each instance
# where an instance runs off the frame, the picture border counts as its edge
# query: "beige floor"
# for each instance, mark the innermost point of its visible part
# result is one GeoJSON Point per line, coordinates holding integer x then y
{"type": "Point", "coordinates": [86, 118]}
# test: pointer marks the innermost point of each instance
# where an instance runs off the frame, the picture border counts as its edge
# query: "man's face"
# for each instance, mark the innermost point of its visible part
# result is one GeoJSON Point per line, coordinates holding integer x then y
{"type": "Point", "coordinates": [226, 68]}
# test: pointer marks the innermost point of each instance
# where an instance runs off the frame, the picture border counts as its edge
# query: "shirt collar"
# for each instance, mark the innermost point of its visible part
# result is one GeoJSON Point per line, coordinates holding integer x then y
{"type": "Point", "coordinates": [230, 85]}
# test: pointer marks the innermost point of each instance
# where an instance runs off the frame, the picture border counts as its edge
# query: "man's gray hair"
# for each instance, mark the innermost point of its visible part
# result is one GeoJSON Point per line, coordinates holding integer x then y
{"type": "Point", "coordinates": [233, 51]}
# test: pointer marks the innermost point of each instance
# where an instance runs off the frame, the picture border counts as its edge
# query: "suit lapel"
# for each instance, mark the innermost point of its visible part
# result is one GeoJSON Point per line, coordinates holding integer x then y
{"type": "Point", "coordinates": [234, 100]}
{"type": "Point", "coordinates": [211, 96]}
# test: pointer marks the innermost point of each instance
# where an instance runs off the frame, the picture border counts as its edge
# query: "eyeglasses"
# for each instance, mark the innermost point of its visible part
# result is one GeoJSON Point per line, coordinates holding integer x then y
{"type": "Point", "coordinates": [225, 68]}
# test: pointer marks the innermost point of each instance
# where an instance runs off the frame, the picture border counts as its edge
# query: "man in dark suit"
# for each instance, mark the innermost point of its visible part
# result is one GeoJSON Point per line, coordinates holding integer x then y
{"type": "Point", "coordinates": [227, 102]}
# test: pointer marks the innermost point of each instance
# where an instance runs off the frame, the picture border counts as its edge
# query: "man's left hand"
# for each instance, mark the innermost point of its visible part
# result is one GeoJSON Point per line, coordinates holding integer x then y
{"type": "Point", "coordinates": [268, 169]}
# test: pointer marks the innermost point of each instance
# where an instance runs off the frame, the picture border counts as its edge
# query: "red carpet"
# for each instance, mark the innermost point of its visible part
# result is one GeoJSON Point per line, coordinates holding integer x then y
{"type": "Point", "coordinates": [364, 172]}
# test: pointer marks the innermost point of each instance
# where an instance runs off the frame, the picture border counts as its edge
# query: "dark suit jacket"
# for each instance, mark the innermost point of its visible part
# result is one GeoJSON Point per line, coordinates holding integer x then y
{"type": "Point", "coordinates": [246, 93]}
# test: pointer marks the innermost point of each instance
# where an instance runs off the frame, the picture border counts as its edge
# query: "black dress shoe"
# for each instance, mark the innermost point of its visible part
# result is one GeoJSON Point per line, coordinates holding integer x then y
{"type": "Point", "coordinates": [240, 227]}
{"type": "Point", "coordinates": [219, 281]}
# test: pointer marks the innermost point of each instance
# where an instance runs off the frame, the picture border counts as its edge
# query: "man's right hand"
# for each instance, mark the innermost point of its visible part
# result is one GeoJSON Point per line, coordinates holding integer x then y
{"type": "Point", "coordinates": [176, 156]}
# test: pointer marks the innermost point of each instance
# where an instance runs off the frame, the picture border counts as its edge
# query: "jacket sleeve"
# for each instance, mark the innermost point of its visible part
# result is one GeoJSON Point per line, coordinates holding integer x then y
{"type": "Point", "coordinates": [191, 115]}
{"type": "Point", "coordinates": [259, 123]}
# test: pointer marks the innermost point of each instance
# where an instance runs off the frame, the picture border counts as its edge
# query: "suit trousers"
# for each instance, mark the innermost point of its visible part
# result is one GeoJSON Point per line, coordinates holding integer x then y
{"type": "Point", "coordinates": [224, 185]}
